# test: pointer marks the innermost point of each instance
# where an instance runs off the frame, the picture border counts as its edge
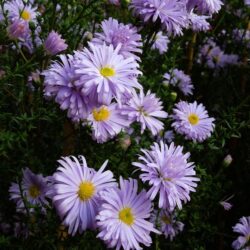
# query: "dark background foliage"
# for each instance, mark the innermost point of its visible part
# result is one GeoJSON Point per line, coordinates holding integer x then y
{"type": "Point", "coordinates": [35, 133]}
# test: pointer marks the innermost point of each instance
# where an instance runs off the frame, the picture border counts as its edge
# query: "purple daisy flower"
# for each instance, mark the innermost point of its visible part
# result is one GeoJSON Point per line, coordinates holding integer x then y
{"type": "Point", "coordinates": [243, 228]}
{"type": "Point", "coordinates": [105, 73]}
{"type": "Point", "coordinates": [167, 223]}
{"type": "Point", "coordinates": [54, 43]}
{"type": "Point", "coordinates": [205, 6]}
{"type": "Point", "coordinates": [145, 109]}
{"type": "Point", "coordinates": [180, 79]}
{"type": "Point", "coordinates": [18, 29]}
{"type": "Point", "coordinates": [171, 13]}
{"type": "Point", "coordinates": [62, 83]}
{"type": "Point", "coordinates": [192, 120]}
{"type": "Point", "coordinates": [122, 219]}
{"type": "Point", "coordinates": [161, 42]}
{"type": "Point", "coordinates": [33, 187]}
{"type": "Point", "coordinates": [198, 22]}
{"type": "Point", "coordinates": [76, 190]}
{"type": "Point", "coordinates": [114, 33]}
{"type": "Point", "coordinates": [169, 174]}
{"type": "Point", "coordinates": [107, 121]}
{"type": "Point", "coordinates": [16, 9]}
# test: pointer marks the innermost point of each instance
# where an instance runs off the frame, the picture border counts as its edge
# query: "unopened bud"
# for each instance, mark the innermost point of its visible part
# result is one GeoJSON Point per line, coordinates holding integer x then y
{"type": "Point", "coordinates": [227, 160]}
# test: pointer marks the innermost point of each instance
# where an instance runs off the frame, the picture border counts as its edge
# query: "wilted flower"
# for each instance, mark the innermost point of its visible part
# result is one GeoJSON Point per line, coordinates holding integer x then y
{"type": "Point", "coordinates": [243, 228]}
{"type": "Point", "coordinates": [169, 174]}
{"type": "Point", "coordinates": [171, 14]}
{"type": "Point", "coordinates": [54, 43]}
{"type": "Point", "coordinates": [145, 109]}
{"type": "Point", "coordinates": [122, 217]}
{"type": "Point", "coordinates": [19, 29]}
{"type": "Point", "coordinates": [192, 120]}
{"type": "Point", "coordinates": [167, 223]}
{"type": "Point", "coordinates": [76, 189]}
{"type": "Point", "coordinates": [114, 33]}
{"type": "Point", "coordinates": [181, 80]}
{"type": "Point", "coordinates": [161, 42]}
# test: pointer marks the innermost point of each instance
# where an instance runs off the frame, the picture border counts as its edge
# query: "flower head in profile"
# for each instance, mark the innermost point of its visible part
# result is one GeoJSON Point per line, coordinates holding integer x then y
{"type": "Point", "coordinates": [192, 120]}
{"type": "Point", "coordinates": [54, 43]}
{"type": "Point", "coordinates": [33, 188]}
{"type": "Point", "coordinates": [76, 189]}
{"type": "Point", "coordinates": [198, 22]}
{"type": "Point", "coordinates": [145, 109]}
{"type": "Point", "coordinates": [243, 228]}
{"type": "Point", "coordinates": [122, 218]}
{"type": "Point", "coordinates": [18, 29]}
{"type": "Point", "coordinates": [167, 223]}
{"type": "Point", "coordinates": [169, 174]}
{"type": "Point", "coordinates": [205, 6]}
{"type": "Point", "coordinates": [105, 73]}
{"type": "Point", "coordinates": [161, 42]}
{"type": "Point", "coordinates": [181, 80]}
{"type": "Point", "coordinates": [16, 9]}
{"type": "Point", "coordinates": [171, 14]}
{"type": "Point", "coordinates": [107, 121]}
{"type": "Point", "coordinates": [62, 83]}
{"type": "Point", "coordinates": [114, 33]}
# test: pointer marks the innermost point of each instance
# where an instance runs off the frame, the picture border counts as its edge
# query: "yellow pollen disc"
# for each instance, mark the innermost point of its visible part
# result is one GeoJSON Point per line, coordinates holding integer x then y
{"type": "Point", "coordinates": [193, 119]}
{"type": "Point", "coordinates": [167, 179]}
{"type": "Point", "coordinates": [126, 216]}
{"type": "Point", "coordinates": [25, 15]}
{"type": "Point", "coordinates": [86, 190]}
{"type": "Point", "coordinates": [102, 114]}
{"type": "Point", "coordinates": [165, 219]}
{"type": "Point", "coordinates": [34, 191]}
{"type": "Point", "coordinates": [107, 71]}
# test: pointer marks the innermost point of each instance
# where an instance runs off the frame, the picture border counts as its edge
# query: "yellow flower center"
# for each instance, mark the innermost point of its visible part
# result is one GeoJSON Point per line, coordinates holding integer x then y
{"type": "Point", "coordinates": [165, 219]}
{"type": "Point", "coordinates": [193, 119]}
{"type": "Point", "coordinates": [25, 15]}
{"type": "Point", "coordinates": [107, 72]}
{"type": "Point", "coordinates": [126, 216]}
{"type": "Point", "coordinates": [102, 114]}
{"type": "Point", "coordinates": [86, 190]}
{"type": "Point", "coordinates": [167, 179]}
{"type": "Point", "coordinates": [34, 191]}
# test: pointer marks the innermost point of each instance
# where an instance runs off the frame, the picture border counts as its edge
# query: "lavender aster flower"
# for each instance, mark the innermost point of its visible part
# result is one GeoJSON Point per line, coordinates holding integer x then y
{"type": "Point", "coordinates": [114, 33]}
{"type": "Point", "coordinates": [76, 190]}
{"type": "Point", "coordinates": [145, 109]}
{"type": "Point", "coordinates": [197, 22]}
{"type": "Point", "coordinates": [192, 120]}
{"type": "Point", "coordinates": [105, 73]}
{"type": "Point", "coordinates": [107, 121]}
{"type": "Point", "coordinates": [19, 29]}
{"type": "Point", "coordinates": [243, 228]}
{"type": "Point", "coordinates": [180, 79]}
{"type": "Point", "coordinates": [169, 174]}
{"type": "Point", "coordinates": [167, 223]}
{"type": "Point", "coordinates": [34, 188]}
{"type": "Point", "coordinates": [161, 42]}
{"type": "Point", "coordinates": [54, 44]}
{"type": "Point", "coordinates": [63, 84]}
{"type": "Point", "coordinates": [122, 217]}
{"type": "Point", "coordinates": [171, 14]}
{"type": "Point", "coordinates": [205, 6]}
{"type": "Point", "coordinates": [16, 9]}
